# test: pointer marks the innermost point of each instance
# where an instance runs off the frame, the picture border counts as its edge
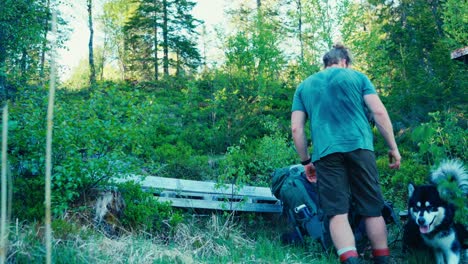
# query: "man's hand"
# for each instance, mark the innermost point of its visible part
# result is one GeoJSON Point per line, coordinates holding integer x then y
{"type": "Point", "coordinates": [394, 158]}
{"type": "Point", "coordinates": [311, 175]}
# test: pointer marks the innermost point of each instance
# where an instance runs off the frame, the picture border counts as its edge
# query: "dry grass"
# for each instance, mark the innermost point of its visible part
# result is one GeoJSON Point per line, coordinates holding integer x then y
{"type": "Point", "coordinates": [211, 239]}
{"type": "Point", "coordinates": [129, 249]}
{"type": "Point", "coordinates": [198, 239]}
{"type": "Point", "coordinates": [88, 246]}
{"type": "Point", "coordinates": [206, 239]}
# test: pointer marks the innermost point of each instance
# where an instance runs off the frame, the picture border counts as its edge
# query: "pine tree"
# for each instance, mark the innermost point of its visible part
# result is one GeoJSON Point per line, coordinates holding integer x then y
{"type": "Point", "coordinates": [165, 26]}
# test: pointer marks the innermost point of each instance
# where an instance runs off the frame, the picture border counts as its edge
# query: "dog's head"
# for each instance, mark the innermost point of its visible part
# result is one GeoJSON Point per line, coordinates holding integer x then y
{"type": "Point", "coordinates": [425, 207]}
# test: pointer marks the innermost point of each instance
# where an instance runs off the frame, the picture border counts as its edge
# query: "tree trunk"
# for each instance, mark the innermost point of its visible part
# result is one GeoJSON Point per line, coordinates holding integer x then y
{"type": "Point", "coordinates": [204, 38]}
{"type": "Point", "coordinates": [437, 18]}
{"type": "Point", "coordinates": [155, 28]}
{"type": "Point", "coordinates": [92, 69]}
{"type": "Point", "coordinates": [23, 65]}
{"type": "Point", "coordinates": [3, 90]}
{"type": "Point", "coordinates": [103, 59]}
{"type": "Point", "coordinates": [301, 42]}
{"type": "Point", "coordinates": [166, 40]}
{"type": "Point", "coordinates": [178, 67]}
{"type": "Point", "coordinates": [3, 56]}
{"type": "Point", "coordinates": [123, 59]}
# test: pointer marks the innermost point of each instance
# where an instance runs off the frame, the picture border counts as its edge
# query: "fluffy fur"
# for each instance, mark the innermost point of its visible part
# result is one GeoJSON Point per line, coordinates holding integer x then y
{"type": "Point", "coordinates": [430, 224]}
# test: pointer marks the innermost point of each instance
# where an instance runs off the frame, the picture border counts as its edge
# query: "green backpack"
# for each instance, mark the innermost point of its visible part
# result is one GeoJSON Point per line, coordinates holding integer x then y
{"type": "Point", "coordinates": [300, 204]}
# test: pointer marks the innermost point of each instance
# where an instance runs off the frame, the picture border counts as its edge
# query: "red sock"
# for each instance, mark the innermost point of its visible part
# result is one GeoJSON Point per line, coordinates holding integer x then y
{"type": "Point", "coordinates": [348, 254]}
{"type": "Point", "coordinates": [381, 252]}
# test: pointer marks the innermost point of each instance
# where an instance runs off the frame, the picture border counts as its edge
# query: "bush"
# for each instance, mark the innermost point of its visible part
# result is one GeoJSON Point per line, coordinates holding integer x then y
{"type": "Point", "coordinates": [98, 134]}
{"type": "Point", "coordinates": [253, 163]}
{"type": "Point", "coordinates": [394, 183]}
{"type": "Point", "coordinates": [441, 138]}
{"type": "Point", "coordinates": [144, 213]}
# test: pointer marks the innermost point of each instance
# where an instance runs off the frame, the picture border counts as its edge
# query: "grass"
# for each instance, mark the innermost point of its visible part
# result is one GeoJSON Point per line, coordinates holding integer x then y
{"type": "Point", "coordinates": [199, 239]}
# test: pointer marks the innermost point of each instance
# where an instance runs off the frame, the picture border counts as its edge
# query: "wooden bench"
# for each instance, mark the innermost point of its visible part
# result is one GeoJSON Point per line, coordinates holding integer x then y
{"type": "Point", "coordinates": [210, 195]}
{"type": "Point", "coordinates": [460, 54]}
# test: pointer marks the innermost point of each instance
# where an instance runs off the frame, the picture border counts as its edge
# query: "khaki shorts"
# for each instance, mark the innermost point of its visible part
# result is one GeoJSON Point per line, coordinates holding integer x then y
{"type": "Point", "coordinates": [351, 177]}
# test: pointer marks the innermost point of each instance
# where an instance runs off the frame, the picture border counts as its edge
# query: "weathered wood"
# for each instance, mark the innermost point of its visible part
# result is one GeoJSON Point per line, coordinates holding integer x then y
{"type": "Point", "coordinates": [210, 195]}
{"type": "Point", "coordinates": [225, 206]}
{"type": "Point", "coordinates": [460, 54]}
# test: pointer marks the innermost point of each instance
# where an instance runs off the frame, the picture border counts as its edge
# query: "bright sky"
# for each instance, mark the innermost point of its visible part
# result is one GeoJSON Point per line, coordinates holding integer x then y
{"type": "Point", "coordinates": [211, 11]}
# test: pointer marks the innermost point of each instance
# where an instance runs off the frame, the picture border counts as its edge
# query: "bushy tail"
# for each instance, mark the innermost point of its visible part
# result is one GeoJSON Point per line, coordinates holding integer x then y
{"type": "Point", "coordinates": [451, 170]}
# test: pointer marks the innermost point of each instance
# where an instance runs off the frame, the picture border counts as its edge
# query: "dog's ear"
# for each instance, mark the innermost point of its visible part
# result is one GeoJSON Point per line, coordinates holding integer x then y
{"type": "Point", "coordinates": [410, 189]}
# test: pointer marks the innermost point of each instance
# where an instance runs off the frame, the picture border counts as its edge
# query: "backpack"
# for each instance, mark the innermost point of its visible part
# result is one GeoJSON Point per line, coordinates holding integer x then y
{"type": "Point", "coordinates": [300, 204]}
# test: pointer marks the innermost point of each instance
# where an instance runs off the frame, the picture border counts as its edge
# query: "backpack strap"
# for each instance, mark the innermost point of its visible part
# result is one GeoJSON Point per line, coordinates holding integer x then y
{"type": "Point", "coordinates": [279, 176]}
{"type": "Point", "coordinates": [308, 191]}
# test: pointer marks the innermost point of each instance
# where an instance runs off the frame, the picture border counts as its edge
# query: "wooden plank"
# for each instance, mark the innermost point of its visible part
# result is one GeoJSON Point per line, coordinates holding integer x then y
{"type": "Point", "coordinates": [219, 205]}
{"type": "Point", "coordinates": [201, 187]}
{"type": "Point", "coordinates": [458, 53]}
{"type": "Point", "coordinates": [213, 197]}
{"type": "Point", "coordinates": [209, 195]}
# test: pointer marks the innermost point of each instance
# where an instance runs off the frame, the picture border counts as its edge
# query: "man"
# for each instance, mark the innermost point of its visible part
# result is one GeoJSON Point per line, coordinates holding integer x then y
{"type": "Point", "coordinates": [337, 101]}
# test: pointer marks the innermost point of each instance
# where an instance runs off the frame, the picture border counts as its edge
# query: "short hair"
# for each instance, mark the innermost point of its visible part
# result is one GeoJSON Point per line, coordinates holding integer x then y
{"type": "Point", "coordinates": [336, 54]}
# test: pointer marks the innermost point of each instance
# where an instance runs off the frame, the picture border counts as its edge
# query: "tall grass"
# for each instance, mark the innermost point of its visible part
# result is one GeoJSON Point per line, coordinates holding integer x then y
{"type": "Point", "coordinates": [205, 239]}
{"type": "Point", "coordinates": [199, 239]}
{"type": "Point", "coordinates": [48, 165]}
{"type": "Point", "coordinates": [3, 219]}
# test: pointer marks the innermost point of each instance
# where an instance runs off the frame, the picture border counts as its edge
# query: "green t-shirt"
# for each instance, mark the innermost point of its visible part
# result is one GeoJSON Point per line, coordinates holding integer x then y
{"type": "Point", "coordinates": [334, 102]}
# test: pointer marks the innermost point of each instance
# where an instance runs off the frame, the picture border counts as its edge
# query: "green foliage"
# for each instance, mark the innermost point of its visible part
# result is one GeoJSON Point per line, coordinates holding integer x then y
{"type": "Point", "coordinates": [168, 25]}
{"type": "Point", "coordinates": [180, 161]}
{"type": "Point", "coordinates": [144, 213]}
{"type": "Point", "coordinates": [405, 53]}
{"type": "Point", "coordinates": [456, 22]}
{"type": "Point", "coordinates": [64, 229]}
{"type": "Point", "coordinates": [98, 135]}
{"type": "Point", "coordinates": [428, 144]}
{"type": "Point", "coordinates": [450, 191]}
{"type": "Point", "coordinates": [254, 162]}
{"type": "Point", "coordinates": [441, 138]}
{"type": "Point", "coordinates": [255, 51]}
{"type": "Point", "coordinates": [115, 14]}
{"type": "Point", "coordinates": [232, 123]}
{"type": "Point", "coordinates": [26, 154]}
{"type": "Point", "coordinates": [394, 183]}
{"type": "Point", "coordinates": [24, 25]}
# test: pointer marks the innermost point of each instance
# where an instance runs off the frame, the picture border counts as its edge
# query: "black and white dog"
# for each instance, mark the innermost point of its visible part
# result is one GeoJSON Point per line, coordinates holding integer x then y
{"type": "Point", "coordinates": [430, 224]}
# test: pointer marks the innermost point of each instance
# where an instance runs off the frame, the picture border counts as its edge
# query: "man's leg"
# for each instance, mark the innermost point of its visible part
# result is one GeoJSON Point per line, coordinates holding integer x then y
{"type": "Point", "coordinates": [333, 190]}
{"type": "Point", "coordinates": [343, 237]}
{"type": "Point", "coordinates": [341, 232]}
{"type": "Point", "coordinates": [377, 233]}
{"type": "Point", "coordinates": [369, 200]}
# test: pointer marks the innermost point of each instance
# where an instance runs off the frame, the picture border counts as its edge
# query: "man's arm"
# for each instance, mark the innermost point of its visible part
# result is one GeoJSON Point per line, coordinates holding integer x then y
{"type": "Point", "coordinates": [384, 125]}
{"type": "Point", "coordinates": [298, 120]}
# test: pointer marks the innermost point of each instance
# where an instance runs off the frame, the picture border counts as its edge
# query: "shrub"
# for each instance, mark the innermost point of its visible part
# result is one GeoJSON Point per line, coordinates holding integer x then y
{"type": "Point", "coordinates": [98, 134]}
{"type": "Point", "coordinates": [394, 183]}
{"type": "Point", "coordinates": [441, 138]}
{"type": "Point", "coordinates": [253, 163]}
{"type": "Point", "coordinates": [144, 213]}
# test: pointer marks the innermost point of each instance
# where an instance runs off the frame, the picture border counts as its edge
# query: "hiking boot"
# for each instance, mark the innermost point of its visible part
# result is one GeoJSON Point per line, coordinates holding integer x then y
{"type": "Point", "coordinates": [352, 260]}
{"type": "Point", "coordinates": [382, 260]}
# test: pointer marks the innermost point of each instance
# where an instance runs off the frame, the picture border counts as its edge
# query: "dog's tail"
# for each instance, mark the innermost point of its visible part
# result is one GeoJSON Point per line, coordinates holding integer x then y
{"type": "Point", "coordinates": [451, 170]}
